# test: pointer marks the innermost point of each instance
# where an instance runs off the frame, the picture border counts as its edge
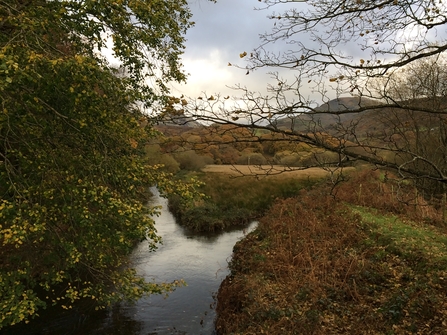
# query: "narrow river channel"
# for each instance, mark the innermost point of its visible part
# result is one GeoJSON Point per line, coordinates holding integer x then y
{"type": "Point", "coordinates": [199, 259]}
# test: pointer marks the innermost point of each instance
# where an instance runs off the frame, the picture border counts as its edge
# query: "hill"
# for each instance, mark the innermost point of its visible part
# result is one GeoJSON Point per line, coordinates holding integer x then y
{"type": "Point", "coordinates": [323, 120]}
{"type": "Point", "coordinates": [359, 122]}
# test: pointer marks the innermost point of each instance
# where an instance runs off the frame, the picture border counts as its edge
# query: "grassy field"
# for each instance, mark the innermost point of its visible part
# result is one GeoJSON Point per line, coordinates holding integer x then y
{"type": "Point", "coordinates": [272, 171]}
{"type": "Point", "coordinates": [238, 194]}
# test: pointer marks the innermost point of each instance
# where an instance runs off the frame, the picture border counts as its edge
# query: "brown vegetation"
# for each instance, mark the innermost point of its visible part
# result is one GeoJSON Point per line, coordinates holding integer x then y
{"type": "Point", "coordinates": [270, 171]}
{"type": "Point", "coordinates": [319, 264]}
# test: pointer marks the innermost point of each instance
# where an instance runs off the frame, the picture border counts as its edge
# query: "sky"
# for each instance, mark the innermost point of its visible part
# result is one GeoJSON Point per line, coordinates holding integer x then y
{"type": "Point", "coordinates": [222, 31]}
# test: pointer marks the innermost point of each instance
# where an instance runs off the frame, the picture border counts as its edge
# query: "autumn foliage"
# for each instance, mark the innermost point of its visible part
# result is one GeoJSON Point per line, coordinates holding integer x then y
{"type": "Point", "coordinates": [74, 175]}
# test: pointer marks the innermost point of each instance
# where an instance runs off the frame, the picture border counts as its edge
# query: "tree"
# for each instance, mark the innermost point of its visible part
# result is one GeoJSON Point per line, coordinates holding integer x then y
{"type": "Point", "coordinates": [341, 64]}
{"type": "Point", "coordinates": [425, 78]}
{"type": "Point", "coordinates": [74, 176]}
{"type": "Point", "coordinates": [418, 137]}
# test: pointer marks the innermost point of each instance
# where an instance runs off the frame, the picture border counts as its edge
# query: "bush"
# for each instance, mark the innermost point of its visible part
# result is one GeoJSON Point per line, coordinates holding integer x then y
{"type": "Point", "coordinates": [170, 165]}
{"type": "Point", "coordinates": [154, 154]}
{"type": "Point", "coordinates": [252, 159]}
{"type": "Point", "coordinates": [288, 158]}
{"type": "Point", "coordinates": [209, 216]}
{"type": "Point", "coordinates": [191, 161]}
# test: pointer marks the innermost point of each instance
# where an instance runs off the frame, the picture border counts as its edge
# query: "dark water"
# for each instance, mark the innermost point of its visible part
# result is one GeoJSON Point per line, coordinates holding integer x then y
{"type": "Point", "coordinates": [200, 259]}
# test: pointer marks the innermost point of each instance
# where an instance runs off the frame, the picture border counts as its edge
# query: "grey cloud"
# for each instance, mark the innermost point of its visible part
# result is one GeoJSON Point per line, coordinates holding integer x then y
{"type": "Point", "coordinates": [231, 26]}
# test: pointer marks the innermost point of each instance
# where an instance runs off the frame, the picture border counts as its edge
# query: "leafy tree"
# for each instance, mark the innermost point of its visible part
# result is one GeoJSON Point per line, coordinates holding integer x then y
{"type": "Point", "coordinates": [167, 161]}
{"type": "Point", "coordinates": [252, 159]}
{"type": "Point", "coordinates": [74, 176]}
{"type": "Point", "coordinates": [327, 90]}
{"type": "Point", "coordinates": [190, 160]}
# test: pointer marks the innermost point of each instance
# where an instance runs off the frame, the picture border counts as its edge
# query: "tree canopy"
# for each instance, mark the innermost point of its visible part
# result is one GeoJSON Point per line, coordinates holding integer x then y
{"type": "Point", "coordinates": [74, 176]}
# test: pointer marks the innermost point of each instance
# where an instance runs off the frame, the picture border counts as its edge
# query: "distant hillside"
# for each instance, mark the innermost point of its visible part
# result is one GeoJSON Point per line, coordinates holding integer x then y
{"type": "Point", "coordinates": [342, 104]}
{"type": "Point", "coordinates": [325, 120]}
{"type": "Point", "coordinates": [346, 103]}
{"type": "Point", "coordinates": [376, 122]}
{"type": "Point", "coordinates": [179, 120]}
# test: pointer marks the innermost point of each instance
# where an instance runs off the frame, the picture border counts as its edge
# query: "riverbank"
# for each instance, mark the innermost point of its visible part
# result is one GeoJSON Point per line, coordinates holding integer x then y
{"type": "Point", "coordinates": [238, 194]}
{"type": "Point", "coordinates": [361, 262]}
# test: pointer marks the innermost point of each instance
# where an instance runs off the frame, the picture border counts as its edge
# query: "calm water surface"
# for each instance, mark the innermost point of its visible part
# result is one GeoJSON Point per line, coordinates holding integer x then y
{"type": "Point", "coordinates": [200, 259]}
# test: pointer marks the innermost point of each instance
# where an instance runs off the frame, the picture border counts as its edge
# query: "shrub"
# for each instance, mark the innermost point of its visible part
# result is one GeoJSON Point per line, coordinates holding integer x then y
{"type": "Point", "coordinates": [191, 161]}
{"type": "Point", "coordinates": [289, 158]}
{"type": "Point", "coordinates": [252, 159]}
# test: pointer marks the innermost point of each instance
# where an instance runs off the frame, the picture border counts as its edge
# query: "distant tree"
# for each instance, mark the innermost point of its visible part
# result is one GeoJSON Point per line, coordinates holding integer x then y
{"type": "Point", "coordinates": [156, 156]}
{"type": "Point", "coordinates": [74, 176]}
{"type": "Point", "coordinates": [289, 158]}
{"type": "Point", "coordinates": [425, 78]}
{"type": "Point", "coordinates": [190, 160]}
{"type": "Point", "coordinates": [338, 49]}
{"type": "Point", "coordinates": [417, 135]}
{"type": "Point", "coordinates": [254, 158]}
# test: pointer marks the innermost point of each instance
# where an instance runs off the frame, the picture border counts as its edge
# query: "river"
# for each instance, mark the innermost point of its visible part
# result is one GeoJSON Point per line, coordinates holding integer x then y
{"type": "Point", "coordinates": [199, 259]}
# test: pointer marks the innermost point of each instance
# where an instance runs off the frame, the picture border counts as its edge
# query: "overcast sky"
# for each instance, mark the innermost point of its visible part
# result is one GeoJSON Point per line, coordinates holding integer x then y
{"type": "Point", "coordinates": [222, 31]}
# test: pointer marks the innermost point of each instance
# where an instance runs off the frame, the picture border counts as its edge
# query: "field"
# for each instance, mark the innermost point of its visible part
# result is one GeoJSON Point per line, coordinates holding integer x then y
{"type": "Point", "coordinates": [237, 194]}
{"type": "Point", "coordinates": [272, 170]}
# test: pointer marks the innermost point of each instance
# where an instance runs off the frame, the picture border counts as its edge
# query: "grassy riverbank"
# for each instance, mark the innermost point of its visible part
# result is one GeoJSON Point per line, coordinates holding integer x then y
{"type": "Point", "coordinates": [235, 195]}
{"type": "Point", "coordinates": [360, 263]}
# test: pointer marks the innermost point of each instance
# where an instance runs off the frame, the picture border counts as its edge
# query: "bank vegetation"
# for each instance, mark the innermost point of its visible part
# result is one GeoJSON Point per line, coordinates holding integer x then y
{"type": "Point", "coordinates": [366, 257]}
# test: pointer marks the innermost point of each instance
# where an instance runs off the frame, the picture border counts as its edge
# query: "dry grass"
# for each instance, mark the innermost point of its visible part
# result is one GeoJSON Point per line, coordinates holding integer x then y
{"type": "Point", "coordinates": [271, 171]}
{"type": "Point", "coordinates": [317, 265]}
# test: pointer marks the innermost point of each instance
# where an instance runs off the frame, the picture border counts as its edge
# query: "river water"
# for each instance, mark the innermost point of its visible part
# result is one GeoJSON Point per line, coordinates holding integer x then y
{"type": "Point", "coordinates": [199, 259]}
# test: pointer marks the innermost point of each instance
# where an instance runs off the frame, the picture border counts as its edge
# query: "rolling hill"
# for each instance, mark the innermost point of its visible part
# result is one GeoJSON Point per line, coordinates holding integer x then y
{"type": "Point", "coordinates": [324, 118]}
